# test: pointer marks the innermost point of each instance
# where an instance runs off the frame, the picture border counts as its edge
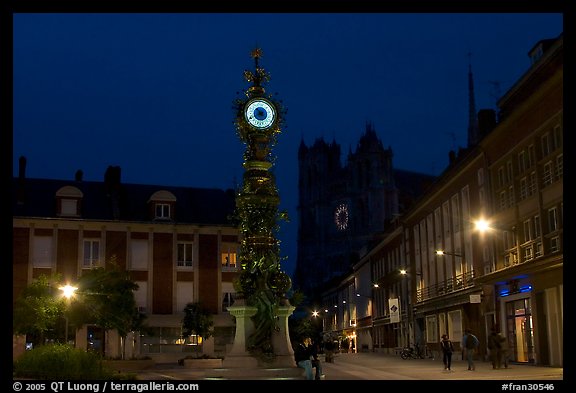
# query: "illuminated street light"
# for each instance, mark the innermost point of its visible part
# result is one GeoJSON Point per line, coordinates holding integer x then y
{"type": "Point", "coordinates": [442, 252]}
{"type": "Point", "coordinates": [68, 292]}
{"type": "Point", "coordinates": [482, 225]}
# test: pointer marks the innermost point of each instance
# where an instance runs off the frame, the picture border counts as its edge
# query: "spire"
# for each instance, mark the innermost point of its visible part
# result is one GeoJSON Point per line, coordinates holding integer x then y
{"type": "Point", "coordinates": [472, 116]}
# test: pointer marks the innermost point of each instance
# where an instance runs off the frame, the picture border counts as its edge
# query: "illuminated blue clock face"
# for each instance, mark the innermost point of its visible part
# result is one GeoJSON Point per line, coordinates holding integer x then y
{"type": "Point", "coordinates": [260, 113]}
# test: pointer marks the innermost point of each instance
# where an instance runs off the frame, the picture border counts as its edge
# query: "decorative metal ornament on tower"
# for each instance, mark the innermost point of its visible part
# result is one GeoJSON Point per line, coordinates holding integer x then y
{"type": "Point", "coordinates": [261, 283]}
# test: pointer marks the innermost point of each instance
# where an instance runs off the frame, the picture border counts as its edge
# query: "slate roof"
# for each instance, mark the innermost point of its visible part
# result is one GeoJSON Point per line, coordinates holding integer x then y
{"type": "Point", "coordinates": [37, 198]}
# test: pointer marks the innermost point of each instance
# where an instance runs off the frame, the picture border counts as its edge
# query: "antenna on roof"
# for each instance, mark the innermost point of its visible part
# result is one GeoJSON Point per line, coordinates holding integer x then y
{"type": "Point", "coordinates": [495, 92]}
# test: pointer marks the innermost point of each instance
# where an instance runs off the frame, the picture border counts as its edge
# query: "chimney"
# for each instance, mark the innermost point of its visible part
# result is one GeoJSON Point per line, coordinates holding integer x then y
{"type": "Point", "coordinates": [22, 168]}
{"type": "Point", "coordinates": [112, 185]}
{"type": "Point", "coordinates": [112, 176]}
{"type": "Point", "coordinates": [78, 175]}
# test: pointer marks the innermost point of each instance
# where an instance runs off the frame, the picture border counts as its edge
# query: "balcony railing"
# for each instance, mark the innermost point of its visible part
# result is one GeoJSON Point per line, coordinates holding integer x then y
{"type": "Point", "coordinates": [450, 285]}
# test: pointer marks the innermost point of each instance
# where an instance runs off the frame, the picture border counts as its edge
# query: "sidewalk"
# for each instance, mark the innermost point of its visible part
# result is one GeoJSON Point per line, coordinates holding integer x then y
{"type": "Point", "coordinates": [374, 366]}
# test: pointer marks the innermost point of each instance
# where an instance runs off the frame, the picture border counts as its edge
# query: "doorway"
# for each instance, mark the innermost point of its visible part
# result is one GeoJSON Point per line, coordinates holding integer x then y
{"type": "Point", "coordinates": [520, 330]}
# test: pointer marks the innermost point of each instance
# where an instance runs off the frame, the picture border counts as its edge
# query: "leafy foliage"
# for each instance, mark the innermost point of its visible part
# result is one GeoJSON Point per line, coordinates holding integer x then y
{"type": "Point", "coordinates": [60, 362]}
{"type": "Point", "coordinates": [197, 320]}
{"type": "Point", "coordinates": [38, 309]}
{"type": "Point", "coordinates": [105, 297]}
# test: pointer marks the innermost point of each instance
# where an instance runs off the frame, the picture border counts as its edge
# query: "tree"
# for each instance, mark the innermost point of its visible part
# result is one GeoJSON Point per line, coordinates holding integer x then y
{"type": "Point", "coordinates": [197, 320]}
{"type": "Point", "coordinates": [38, 309]}
{"type": "Point", "coordinates": [105, 297]}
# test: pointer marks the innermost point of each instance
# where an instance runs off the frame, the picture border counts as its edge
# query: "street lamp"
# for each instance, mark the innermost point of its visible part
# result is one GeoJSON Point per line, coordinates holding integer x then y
{"type": "Point", "coordinates": [442, 252]}
{"type": "Point", "coordinates": [68, 292]}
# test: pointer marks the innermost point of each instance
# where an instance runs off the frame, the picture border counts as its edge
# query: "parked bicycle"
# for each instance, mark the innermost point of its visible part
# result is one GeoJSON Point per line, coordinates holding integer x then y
{"type": "Point", "coordinates": [410, 353]}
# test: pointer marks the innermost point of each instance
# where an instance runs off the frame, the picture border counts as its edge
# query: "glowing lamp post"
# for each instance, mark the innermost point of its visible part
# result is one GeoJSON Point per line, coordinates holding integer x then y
{"type": "Point", "coordinates": [68, 292]}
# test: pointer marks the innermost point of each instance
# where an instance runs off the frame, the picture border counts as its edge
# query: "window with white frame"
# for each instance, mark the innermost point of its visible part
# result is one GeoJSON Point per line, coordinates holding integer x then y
{"type": "Point", "coordinates": [42, 249]}
{"type": "Point", "coordinates": [523, 188]}
{"type": "Point", "coordinates": [522, 162]}
{"type": "Point", "coordinates": [228, 256]}
{"type": "Point", "coordinates": [162, 211]}
{"type": "Point", "coordinates": [555, 244]}
{"type": "Point", "coordinates": [546, 144]}
{"type": "Point", "coordinates": [537, 226]}
{"type": "Point", "coordinates": [527, 230]}
{"type": "Point", "coordinates": [538, 251]}
{"type": "Point", "coordinates": [509, 171]}
{"type": "Point", "coordinates": [548, 174]}
{"type": "Point", "coordinates": [559, 166]}
{"type": "Point", "coordinates": [91, 252]}
{"type": "Point", "coordinates": [184, 254]}
{"type": "Point", "coordinates": [532, 183]}
{"type": "Point", "coordinates": [139, 254]}
{"type": "Point", "coordinates": [162, 204]}
{"type": "Point", "coordinates": [432, 329]}
{"type": "Point", "coordinates": [552, 219]}
{"type": "Point", "coordinates": [528, 252]}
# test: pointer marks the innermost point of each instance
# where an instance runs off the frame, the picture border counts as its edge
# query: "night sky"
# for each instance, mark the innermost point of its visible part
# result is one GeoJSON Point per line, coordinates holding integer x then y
{"type": "Point", "coordinates": [153, 92]}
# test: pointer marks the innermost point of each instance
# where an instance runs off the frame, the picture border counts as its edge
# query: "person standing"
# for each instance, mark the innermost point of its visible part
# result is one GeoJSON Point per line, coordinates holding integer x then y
{"type": "Point", "coordinates": [447, 350]}
{"type": "Point", "coordinates": [316, 361]}
{"type": "Point", "coordinates": [470, 343]}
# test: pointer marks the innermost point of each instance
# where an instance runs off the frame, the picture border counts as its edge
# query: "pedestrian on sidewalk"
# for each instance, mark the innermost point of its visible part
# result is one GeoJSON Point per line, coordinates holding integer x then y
{"type": "Point", "coordinates": [470, 344]}
{"type": "Point", "coordinates": [494, 345]}
{"type": "Point", "coordinates": [316, 361]}
{"type": "Point", "coordinates": [504, 352]}
{"type": "Point", "coordinates": [447, 350]}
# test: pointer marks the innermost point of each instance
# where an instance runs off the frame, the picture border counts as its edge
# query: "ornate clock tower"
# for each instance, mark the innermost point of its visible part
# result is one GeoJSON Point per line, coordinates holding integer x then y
{"type": "Point", "coordinates": [262, 284]}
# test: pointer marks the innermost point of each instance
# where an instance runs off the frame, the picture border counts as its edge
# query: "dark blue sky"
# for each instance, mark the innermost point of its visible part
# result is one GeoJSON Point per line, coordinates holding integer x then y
{"type": "Point", "coordinates": [153, 92]}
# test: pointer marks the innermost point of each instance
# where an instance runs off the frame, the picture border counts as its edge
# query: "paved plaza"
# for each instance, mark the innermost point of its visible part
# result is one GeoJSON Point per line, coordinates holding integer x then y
{"type": "Point", "coordinates": [374, 366]}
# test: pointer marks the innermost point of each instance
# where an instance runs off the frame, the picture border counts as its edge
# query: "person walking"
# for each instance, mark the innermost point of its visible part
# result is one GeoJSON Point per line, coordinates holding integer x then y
{"type": "Point", "coordinates": [470, 343]}
{"type": "Point", "coordinates": [447, 350]}
{"type": "Point", "coordinates": [494, 345]}
{"type": "Point", "coordinates": [504, 353]}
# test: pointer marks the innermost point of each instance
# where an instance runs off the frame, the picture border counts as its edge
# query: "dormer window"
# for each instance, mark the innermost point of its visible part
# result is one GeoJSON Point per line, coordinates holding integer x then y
{"type": "Point", "coordinates": [162, 204]}
{"type": "Point", "coordinates": [68, 201]}
{"type": "Point", "coordinates": [162, 211]}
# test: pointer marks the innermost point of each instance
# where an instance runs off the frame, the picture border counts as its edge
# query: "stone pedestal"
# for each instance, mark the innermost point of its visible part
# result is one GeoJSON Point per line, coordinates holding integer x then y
{"type": "Point", "coordinates": [281, 339]}
{"type": "Point", "coordinates": [238, 355]}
